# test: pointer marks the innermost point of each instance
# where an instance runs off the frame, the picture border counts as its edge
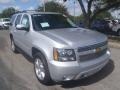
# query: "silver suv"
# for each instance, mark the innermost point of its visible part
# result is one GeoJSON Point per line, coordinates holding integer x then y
{"type": "Point", "coordinates": [61, 51]}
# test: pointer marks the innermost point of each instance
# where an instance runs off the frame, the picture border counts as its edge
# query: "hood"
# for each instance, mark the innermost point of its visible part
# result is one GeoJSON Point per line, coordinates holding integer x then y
{"type": "Point", "coordinates": [6, 22]}
{"type": "Point", "coordinates": [77, 37]}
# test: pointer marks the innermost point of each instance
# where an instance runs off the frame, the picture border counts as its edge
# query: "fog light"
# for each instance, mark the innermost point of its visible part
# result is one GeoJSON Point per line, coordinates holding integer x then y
{"type": "Point", "coordinates": [108, 52]}
{"type": "Point", "coordinates": [68, 78]}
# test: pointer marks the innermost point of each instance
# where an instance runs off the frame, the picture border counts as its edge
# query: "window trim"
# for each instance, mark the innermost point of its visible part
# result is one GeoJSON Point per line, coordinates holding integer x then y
{"type": "Point", "coordinates": [13, 18]}
{"type": "Point", "coordinates": [16, 19]}
{"type": "Point", "coordinates": [28, 19]}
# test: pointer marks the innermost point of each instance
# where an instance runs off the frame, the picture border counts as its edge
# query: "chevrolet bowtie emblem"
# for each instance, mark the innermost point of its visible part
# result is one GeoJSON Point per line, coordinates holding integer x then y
{"type": "Point", "coordinates": [98, 50]}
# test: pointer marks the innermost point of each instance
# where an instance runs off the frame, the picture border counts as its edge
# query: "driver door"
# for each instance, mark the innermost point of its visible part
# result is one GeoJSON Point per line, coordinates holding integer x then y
{"type": "Point", "coordinates": [25, 34]}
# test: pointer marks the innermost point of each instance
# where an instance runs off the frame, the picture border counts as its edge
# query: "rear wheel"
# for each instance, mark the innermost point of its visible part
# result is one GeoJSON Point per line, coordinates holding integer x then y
{"type": "Point", "coordinates": [41, 69]}
{"type": "Point", "coordinates": [13, 46]}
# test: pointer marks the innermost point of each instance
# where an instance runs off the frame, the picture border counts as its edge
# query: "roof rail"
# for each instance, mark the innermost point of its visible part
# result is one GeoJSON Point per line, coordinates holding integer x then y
{"type": "Point", "coordinates": [25, 11]}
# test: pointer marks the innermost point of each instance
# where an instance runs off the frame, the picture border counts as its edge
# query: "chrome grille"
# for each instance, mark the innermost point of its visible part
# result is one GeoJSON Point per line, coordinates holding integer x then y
{"type": "Point", "coordinates": [92, 56]}
{"type": "Point", "coordinates": [90, 52]}
{"type": "Point", "coordinates": [7, 23]}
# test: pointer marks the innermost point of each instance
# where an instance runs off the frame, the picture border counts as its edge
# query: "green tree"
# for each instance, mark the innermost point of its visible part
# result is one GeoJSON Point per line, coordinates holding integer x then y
{"type": "Point", "coordinates": [104, 15]}
{"type": "Point", "coordinates": [54, 7]}
{"type": "Point", "coordinates": [0, 15]}
{"type": "Point", "coordinates": [6, 13]}
{"type": "Point", "coordinates": [76, 19]}
{"type": "Point", "coordinates": [95, 8]}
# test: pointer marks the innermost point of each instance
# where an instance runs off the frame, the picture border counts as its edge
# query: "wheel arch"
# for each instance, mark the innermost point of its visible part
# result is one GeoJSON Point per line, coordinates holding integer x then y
{"type": "Point", "coordinates": [36, 50]}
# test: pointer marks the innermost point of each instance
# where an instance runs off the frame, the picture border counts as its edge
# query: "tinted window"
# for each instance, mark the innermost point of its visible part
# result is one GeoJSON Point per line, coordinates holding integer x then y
{"type": "Point", "coordinates": [50, 21]}
{"type": "Point", "coordinates": [25, 21]}
{"type": "Point", "coordinates": [18, 20]}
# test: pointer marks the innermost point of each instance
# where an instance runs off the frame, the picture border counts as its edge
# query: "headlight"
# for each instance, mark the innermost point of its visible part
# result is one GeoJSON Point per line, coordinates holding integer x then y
{"type": "Point", "coordinates": [64, 55]}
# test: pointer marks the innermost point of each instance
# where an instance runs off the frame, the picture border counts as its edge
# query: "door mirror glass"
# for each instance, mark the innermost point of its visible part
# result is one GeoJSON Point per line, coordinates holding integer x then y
{"type": "Point", "coordinates": [22, 27]}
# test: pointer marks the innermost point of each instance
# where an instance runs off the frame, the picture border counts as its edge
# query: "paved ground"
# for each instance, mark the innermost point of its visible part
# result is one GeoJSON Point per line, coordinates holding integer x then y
{"type": "Point", "coordinates": [17, 73]}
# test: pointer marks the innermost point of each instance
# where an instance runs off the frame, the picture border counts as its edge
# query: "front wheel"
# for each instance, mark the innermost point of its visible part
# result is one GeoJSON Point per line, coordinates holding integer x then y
{"type": "Point", "coordinates": [41, 69]}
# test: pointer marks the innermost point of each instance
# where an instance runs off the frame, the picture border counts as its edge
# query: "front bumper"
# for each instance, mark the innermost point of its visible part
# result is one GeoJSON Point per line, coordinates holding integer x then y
{"type": "Point", "coordinates": [64, 71]}
{"type": "Point", "coordinates": [6, 26]}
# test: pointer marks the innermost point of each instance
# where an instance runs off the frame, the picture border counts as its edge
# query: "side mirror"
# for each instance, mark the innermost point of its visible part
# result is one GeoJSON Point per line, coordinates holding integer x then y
{"type": "Point", "coordinates": [22, 27]}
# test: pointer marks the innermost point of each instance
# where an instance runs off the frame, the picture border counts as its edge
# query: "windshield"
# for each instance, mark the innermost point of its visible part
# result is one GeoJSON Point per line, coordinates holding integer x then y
{"type": "Point", "coordinates": [50, 21]}
{"type": "Point", "coordinates": [6, 19]}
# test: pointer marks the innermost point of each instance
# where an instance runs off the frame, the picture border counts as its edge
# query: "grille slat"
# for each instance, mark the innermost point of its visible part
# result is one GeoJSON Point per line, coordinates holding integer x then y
{"type": "Point", "coordinates": [90, 47]}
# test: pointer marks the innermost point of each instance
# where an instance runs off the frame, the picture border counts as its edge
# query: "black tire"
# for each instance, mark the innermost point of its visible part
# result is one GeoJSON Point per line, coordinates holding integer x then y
{"type": "Point", "coordinates": [47, 79]}
{"type": "Point", "coordinates": [13, 46]}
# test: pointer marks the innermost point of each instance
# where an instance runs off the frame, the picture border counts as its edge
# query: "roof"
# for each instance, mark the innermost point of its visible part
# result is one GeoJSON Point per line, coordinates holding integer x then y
{"type": "Point", "coordinates": [37, 12]}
